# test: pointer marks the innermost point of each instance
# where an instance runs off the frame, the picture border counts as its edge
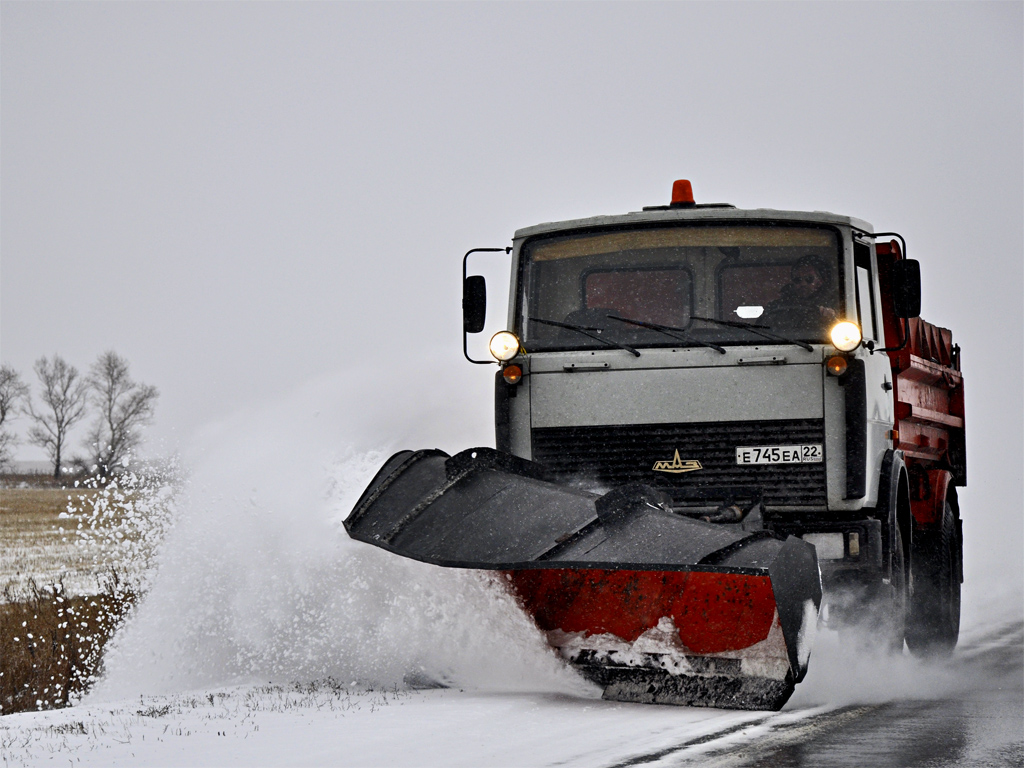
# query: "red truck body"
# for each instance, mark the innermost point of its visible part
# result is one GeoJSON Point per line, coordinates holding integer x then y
{"type": "Point", "coordinates": [929, 399]}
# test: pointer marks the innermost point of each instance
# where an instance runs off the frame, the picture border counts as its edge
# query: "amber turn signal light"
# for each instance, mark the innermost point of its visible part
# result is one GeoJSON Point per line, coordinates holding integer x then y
{"type": "Point", "coordinates": [512, 374]}
{"type": "Point", "coordinates": [836, 365]}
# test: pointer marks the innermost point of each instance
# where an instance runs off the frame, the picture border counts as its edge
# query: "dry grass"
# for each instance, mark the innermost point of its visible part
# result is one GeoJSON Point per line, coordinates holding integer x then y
{"type": "Point", "coordinates": [39, 541]}
{"type": "Point", "coordinates": [51, 644]}
{"type": "Point", "coordinates": [31, 510]}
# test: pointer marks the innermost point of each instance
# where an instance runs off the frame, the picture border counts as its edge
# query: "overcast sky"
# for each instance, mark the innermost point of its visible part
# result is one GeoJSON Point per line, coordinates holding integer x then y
{"type": "Point", "coordinates": [240, 197]}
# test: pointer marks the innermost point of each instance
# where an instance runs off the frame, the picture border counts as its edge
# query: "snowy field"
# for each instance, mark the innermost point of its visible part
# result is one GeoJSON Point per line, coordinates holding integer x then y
{"type": "Point", "coordinates": [76, 536]}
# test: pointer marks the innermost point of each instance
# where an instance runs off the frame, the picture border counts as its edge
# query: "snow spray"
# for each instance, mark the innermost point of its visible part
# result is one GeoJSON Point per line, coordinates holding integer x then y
{"type": "Point", "coordinates": [852, 666]}
{"type": "Point", "coordinates": [258, 582]}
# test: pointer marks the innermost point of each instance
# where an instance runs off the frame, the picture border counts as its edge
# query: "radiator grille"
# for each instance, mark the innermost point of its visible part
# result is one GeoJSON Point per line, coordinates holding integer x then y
{"type": "Point", "coordinates": [613, 455]}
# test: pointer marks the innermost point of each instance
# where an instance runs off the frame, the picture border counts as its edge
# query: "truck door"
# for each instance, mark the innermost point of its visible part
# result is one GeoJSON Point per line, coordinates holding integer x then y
{"type": "Point", "coordinates": [878, 374]}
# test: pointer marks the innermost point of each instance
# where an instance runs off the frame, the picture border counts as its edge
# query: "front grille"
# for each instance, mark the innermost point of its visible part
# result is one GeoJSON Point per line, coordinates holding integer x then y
{"type": "Point", "coordinates": [609, 456]}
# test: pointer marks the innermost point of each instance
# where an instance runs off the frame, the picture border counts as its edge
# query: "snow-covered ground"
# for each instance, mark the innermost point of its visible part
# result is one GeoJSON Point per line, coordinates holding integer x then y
{"type": "Point", "coordinates": [334, 723]}
{"type": "Point", "coordinates": [283, 726]}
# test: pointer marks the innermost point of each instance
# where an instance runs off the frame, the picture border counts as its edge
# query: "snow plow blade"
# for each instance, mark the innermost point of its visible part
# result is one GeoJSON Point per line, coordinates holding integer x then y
{"type": "Point", "coordinates": [652, 606]}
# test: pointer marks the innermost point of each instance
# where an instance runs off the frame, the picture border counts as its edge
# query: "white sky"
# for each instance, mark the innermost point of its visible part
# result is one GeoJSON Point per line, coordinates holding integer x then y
{"type": "Point", "coordinates": [239, 197]}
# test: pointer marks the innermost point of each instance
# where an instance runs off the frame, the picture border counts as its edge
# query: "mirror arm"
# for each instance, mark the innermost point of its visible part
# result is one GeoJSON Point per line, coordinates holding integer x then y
{"type": "Point", "coordinates": [903, 243]}
{"type": "Point", "coordinates": [465, 337]}
{"type": "Point", "coordinates": [906, 338]}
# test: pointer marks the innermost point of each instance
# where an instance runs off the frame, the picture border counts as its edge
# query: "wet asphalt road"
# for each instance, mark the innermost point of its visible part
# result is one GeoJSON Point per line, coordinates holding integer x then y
{"type": "Point", "coordinates": [981, 723]}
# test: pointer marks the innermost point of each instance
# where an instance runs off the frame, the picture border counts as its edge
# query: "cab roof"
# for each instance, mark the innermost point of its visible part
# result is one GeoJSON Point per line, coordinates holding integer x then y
{"type": "Point", "coordinates": [706, 213]}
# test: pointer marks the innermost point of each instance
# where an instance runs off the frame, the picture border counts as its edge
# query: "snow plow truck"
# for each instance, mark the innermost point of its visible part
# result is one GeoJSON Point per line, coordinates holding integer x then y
{"type": "Point", "coordinates": [706, 419]}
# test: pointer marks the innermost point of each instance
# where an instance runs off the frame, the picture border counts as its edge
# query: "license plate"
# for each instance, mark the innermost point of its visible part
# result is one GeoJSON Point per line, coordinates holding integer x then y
{"type": "Point", "coordinates": [779, 454]}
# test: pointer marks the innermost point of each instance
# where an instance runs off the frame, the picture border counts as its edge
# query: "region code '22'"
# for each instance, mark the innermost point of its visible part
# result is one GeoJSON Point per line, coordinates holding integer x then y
{"type": "Point", "coordinates": [778, 454]}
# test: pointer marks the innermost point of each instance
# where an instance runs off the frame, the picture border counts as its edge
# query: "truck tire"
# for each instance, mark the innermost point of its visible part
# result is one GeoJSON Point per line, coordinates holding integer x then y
{"type": "Point", "coordinates": [875, 616]}
{"type": "Point", "coordinates": [934, 625]}
{"type": "Point", "coordinates": [892, 603]}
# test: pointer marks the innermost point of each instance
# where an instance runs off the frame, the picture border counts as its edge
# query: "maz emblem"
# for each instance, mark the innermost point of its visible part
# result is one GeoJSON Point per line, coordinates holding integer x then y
{"type": "Point", "coordinates": [677, 465]}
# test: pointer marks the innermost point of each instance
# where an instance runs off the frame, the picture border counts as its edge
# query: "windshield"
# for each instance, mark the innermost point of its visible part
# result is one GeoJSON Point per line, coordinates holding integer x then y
{"type": "Point", "coordinates": [719, 284]}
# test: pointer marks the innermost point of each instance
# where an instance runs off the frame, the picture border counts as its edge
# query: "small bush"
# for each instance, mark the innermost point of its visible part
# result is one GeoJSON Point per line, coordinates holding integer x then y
{"type": "Point", "coordinates": [51, 644]}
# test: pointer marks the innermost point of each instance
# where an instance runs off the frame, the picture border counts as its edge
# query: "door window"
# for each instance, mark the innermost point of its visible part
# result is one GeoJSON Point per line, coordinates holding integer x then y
{"type": "Point", "coordinates": [865, 292]}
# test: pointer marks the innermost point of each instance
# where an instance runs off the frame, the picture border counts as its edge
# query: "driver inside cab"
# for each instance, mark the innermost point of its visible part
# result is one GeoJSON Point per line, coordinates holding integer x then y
{"type": "Point", "coordinates": [807, 301]}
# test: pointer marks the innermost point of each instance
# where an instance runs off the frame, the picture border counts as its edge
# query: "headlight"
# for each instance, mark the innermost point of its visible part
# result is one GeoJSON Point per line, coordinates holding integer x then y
{"type": "Point", "coordinates": [845, 336]}
{"type": "Point", "coordinates": [504, 345]}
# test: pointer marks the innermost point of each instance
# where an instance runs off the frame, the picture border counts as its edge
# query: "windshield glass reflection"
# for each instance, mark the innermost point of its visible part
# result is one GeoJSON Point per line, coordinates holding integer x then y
{"type": "Point", "coordinates": [777, 278]}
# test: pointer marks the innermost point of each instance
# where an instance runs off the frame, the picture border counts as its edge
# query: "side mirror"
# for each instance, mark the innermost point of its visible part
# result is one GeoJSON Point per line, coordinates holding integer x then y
{"type": "Point", "coordinates": [906, 288]}
{"type": "Point", "coordinates": [474, 303]}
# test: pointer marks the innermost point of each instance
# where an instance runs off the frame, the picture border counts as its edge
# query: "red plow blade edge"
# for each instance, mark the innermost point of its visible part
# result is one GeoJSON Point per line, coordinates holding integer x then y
{"type": "Point", "coordinates": [665, 637]}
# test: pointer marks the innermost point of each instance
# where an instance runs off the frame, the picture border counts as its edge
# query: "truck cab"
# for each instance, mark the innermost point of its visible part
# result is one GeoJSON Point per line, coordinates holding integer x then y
{"type": "Point", "coordinates": [740, 361]}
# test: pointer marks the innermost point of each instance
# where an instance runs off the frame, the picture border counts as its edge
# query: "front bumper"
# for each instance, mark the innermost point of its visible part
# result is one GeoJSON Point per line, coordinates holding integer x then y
{"type": "Point", "coordinates": [859, 541]}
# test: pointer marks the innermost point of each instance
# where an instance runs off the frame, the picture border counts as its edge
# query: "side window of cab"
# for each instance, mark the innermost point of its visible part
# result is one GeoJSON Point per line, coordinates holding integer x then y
{"type": "Point", "coordinates": [865, 290]}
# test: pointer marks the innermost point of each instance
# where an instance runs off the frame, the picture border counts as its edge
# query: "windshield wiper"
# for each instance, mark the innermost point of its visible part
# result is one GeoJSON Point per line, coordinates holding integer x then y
{"type": "Point", "coordinates": [586, 332]}
{"type": "Point", "coordinates": [758, 329]}
{"type": "Point", "coordinates": [668, 330]}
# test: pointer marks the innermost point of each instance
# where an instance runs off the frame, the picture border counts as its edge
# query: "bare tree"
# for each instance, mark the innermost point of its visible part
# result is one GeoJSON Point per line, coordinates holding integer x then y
{"type": "Point", "coordinates": [124, 406]}
{"type": "Point", "coordinates": [64, 395]}
{"type": "Point", "coordinates": [12, 392]}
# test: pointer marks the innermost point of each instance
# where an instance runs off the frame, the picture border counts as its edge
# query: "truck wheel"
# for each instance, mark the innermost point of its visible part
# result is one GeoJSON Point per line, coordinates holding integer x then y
{"type": "Point", "coordinates": [894, 603]}
{"type": "Point", "coordinates": [934, 625]}
{"type": "Point", "coordinates": [880, 622]}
